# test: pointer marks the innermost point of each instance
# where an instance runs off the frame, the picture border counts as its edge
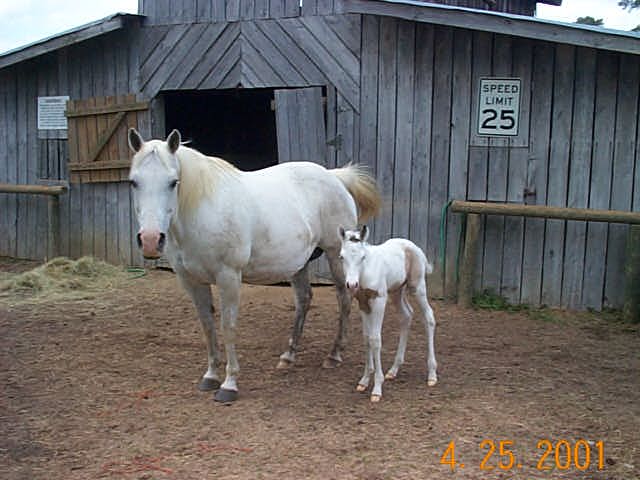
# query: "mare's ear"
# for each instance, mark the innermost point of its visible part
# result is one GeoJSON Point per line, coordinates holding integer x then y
{"type": "Point", "coordinates": [341, 232]}
{"type": "Point", "coordinates": [173, 140]}
{"type": "Point", "coordinates": [364, 233]}
{"type": "Point", "coordinates": [135, 140]}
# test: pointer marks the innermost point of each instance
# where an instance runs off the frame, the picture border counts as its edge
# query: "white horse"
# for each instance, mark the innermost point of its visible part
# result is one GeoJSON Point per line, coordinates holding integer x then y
{"type": "Point", "coordinates": [219, 225]}
{"type": "Point", "coordinates": [373, 273]}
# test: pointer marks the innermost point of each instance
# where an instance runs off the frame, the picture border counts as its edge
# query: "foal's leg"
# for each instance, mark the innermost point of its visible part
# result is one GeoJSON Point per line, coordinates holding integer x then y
{"type": "Point", "coordinates": [420, 294]}
{"type": "Point", "coordinates": [229, 286]}
{"type": "Point", "coordinates": [406, 312]}
{"type": "Point", "coordinates": [302, 294]}
{"type": "Point", "coordinates": [368, 354]}
{"type": "Point", "coordinates": [344, 304]}
{"type": "Point", "coordinates": [201, 296]}
{"type": "Point", "coordinates": [375, 343]}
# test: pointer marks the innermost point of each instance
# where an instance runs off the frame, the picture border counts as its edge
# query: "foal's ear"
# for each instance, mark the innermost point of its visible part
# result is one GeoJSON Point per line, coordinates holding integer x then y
{"type": "Point", "coordinates": [364, 233]}
{"type": "Point", "coordinates": [341, 232]}
{"type": "Point", "coordinates": [135, 140]}
{"type": "Point", "coordinates": [173, 140]}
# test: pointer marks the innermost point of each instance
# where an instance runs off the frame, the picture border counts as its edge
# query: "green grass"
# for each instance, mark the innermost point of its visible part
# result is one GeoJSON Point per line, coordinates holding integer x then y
{"type": "Point", "coordinates": [489, 300]}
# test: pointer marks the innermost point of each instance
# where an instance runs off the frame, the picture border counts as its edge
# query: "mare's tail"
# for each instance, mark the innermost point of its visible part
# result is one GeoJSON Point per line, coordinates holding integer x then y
{"type": "Point", "coordinates": [362, 188]}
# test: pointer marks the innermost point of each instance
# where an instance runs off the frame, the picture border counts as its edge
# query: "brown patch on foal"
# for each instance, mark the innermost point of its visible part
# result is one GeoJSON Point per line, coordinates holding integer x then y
{"type": "Point", "coordinates": [364, 296]}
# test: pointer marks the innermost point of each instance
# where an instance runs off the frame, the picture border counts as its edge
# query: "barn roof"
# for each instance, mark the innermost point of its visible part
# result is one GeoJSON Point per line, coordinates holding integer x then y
{"type": "Point", "coordinates": [66, 38]}
{"type": "Point", "coordinates": [496, 22]}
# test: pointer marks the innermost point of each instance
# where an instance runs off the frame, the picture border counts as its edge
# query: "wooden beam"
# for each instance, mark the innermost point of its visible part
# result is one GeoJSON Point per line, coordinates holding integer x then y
{"type": "Point", "coordinates": [79, 167]}
{"type": "Point", "coordinates": [33, 189]}
{"type": "Point", "coordinates": [504, 23]}
{"type": "Point", "coordinates": [542, 211]}
{"type": "Point", "coordinates": [118, 108]}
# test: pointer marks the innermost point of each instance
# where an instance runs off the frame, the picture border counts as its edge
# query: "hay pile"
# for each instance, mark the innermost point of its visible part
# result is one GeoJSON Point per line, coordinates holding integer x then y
{"type": "Point", "coordinates": [63, 277]}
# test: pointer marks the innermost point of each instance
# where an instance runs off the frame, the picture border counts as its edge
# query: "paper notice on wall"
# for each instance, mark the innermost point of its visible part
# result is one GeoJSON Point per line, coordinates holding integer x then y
{"type": "Point", "coordinates": [51, 113]}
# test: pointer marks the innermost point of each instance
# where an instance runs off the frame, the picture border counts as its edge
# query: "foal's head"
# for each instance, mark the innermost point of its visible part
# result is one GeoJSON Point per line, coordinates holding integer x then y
{"type": "Point", "coordinates": [352, 255]}
{"type": "Point", "coordinates": [154, 178]}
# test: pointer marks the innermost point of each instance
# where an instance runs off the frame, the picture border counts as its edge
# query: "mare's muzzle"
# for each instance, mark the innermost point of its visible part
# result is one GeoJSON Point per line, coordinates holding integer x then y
{"type": "Point", "coordinates": [151, 242]}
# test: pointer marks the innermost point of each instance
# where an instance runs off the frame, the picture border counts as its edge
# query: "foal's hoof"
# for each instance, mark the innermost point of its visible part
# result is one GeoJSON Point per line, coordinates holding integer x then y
{"type": "Point", "coordinates": [375, 398]}
{"type": "Point", "coordinates": [390, 376]}
{"type": "Point", "coordinates": [208, 384]}
{"type": "Point", "coordinates": [284, 364]}
{"type": "Point", "coordinates": [331, 362]}
{"type": "Point", "coordinates": [225, 396]}
{"type": "Point", "coordinates": [361, 388]}
{"type": "Point", "coordinates": [432, 381]}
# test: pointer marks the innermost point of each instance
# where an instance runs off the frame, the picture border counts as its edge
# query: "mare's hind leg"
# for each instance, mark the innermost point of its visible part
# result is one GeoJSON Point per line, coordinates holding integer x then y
{"type": "Point", "coordinates": [344, 304]}
{"type": "Point", "coordinates": [201, 296]}
{"type": "Point", "coordinates": [302, 295]}
{"type": "Point", "coordinates": [406, 312]}
{"type": "Point", "coordinates": [420, 294]}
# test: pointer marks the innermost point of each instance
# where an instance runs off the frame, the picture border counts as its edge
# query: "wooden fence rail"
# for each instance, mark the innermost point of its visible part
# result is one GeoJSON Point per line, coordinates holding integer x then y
{"type": "Point", "coordinates": [474, 210]}
{"type": "Point", "coordinates": [53, 209]}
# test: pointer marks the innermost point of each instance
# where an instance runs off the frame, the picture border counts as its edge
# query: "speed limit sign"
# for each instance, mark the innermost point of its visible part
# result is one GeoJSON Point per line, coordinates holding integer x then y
{"type": "Point", "coordinates": [499, 106]}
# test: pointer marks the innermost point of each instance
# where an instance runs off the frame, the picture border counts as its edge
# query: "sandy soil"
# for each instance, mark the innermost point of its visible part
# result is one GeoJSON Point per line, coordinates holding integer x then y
{"type": "Point", "coordinates": [105, 387]}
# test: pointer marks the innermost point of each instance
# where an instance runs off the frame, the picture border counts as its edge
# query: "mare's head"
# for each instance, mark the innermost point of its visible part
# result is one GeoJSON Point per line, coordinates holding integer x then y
{"type": "Point", "coordinates": [352, 255]}
{"type": "Point", "coordinates": [154, 178]}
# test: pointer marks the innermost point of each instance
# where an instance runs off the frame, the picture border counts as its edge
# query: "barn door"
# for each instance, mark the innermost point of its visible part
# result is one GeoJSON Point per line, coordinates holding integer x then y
{"type": "Point", "coordinates": [300, 125]}
{"type": "Point", "coordinates": [98, 150]}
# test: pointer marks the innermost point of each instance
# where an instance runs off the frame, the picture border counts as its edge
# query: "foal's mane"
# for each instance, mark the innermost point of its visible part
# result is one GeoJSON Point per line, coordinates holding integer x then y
{"type": "Point", "coordinates": [199, 176]}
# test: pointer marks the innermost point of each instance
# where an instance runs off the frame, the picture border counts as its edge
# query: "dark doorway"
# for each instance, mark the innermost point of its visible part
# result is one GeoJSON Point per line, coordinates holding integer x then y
{"type": "Point", "coordinates": [237, 125]}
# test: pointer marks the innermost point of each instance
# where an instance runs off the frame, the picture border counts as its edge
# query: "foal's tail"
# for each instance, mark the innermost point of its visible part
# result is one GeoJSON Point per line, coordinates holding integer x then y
{"type": "Point", "coordinates": [362, 188]}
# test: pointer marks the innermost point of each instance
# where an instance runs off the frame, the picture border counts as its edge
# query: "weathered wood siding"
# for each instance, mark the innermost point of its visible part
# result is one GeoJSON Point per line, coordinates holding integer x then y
{"type": "Point", "coordinates": [419, 84]}
{"type": "Point", "coordinates": [94, 218]}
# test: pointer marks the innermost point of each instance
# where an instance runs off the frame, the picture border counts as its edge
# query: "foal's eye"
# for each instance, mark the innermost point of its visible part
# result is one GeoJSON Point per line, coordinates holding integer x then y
{"type": "Point", "coordinates": [133, 184]}
{"type": "Point", "coordinates": [173, 184]}
{"type": "Point", "coordinates": [340, 257]}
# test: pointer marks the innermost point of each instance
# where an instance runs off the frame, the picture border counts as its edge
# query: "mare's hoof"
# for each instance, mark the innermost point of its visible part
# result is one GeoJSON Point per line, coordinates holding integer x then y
{"type": "Point", "coordinates": [330, 362]}
{"type": "Point", "coordinates": [432, 381]}
{"type": "Point", "coordinates": [225, 396]}
{"type": "Point", "coordinates": [361, 388]}
{"type": "Point", "coordinates": [208, 384]}
{"type": "Point", "coordinates": [375, 398]}
{"type": "Point", "coordinates": [390, 376]}
{"type": "Point", "coordinates": [284, 364]}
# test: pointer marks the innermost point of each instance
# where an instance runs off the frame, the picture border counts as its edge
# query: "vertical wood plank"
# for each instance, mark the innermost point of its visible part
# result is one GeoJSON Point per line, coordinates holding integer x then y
{"type": "Point", "coordinates": [458, 157]}
{"type": "Point", "coordinates": [388, 75]}
{"type": "Point", "coordinates": [5, 213]}
{"type": "Point", "coordinates": [233, 10]}
{"type": "Point", "coordinates": [601, 170]}
{"type": "Point", "coordinates": [539, 140]}
{"type": "Point", "coordinates": [622, 182]}
{"type": "Point", "coordinates": [22, 168]}
{"type": "Point", "coordinates": [422, 125]}
{"type": "Point", "coordinates": [517, 177]}
{"type": "Point", "coordinates": [440, 147]}
{"type": "Point", "coordinates": [579, 175]}
{"type": "Point", "coordinates": [346, 131]}
{"type": "Point", "coordinates": [404, 129]}
{"type": "Point", "coordinates": [558, 172]}
{"type": "Point", "coordinates": [369, 75]}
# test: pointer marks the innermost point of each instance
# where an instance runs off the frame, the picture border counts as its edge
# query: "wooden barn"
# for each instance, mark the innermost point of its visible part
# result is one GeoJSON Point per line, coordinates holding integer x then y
{"type": "Point", "coordinates": [474, 100]}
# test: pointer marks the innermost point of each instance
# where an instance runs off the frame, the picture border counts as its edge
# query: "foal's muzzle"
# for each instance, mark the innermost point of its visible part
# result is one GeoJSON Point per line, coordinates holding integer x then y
{"type": "Point", "coordinates": [151, 242]}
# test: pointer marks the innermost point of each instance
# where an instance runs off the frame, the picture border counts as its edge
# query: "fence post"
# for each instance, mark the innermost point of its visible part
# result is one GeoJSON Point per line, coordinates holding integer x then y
{"type": "Point", "coordinates": [469, 255]}
{"type": "Point", "coordinates": [53, 244]}
{"type": "Point", "coordinates": [631, 309]}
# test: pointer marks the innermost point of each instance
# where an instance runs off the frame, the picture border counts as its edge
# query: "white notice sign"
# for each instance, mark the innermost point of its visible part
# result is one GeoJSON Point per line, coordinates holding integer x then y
{"type": "Point", "coordinates": [51, 113]}
{"type": "Point", "coordinates": [499, 107]}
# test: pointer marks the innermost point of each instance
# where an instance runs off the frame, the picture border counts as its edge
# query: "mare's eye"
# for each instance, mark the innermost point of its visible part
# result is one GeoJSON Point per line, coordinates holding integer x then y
{"type": "Point", "coordinates": [173, 184]}
{"type": "Point", "coordinates": [133, 183]}
{"type": "Point", "coordinates": [340, 257]}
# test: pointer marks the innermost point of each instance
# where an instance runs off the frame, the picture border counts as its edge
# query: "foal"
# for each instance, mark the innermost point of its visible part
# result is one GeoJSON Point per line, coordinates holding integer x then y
{"type": "Point", "coordinates": [373, 273]}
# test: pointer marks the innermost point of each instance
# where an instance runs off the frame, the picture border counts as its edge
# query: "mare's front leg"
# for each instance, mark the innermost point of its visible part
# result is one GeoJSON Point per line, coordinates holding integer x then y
{"type": "Point", "coordinates": [302, 294]}
{"type": "Point", "coordinates": [201, 296]}
{"type": "Point", "coordinates": [229, 282]}
{"type": "Point", "coordinates": [344, 304]}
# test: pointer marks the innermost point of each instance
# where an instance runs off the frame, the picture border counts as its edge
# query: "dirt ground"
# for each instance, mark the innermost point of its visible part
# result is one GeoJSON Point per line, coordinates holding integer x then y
{"type": "Point", "coordinates": [105, 387]}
